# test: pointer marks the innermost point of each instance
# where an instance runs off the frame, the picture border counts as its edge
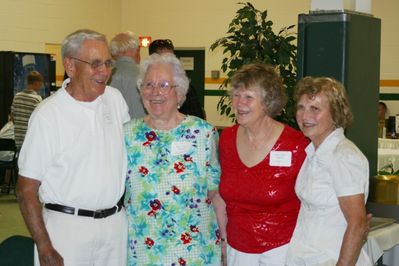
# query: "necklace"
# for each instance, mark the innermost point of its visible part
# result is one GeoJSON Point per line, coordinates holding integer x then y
{"type": "Point", "coordinates": [264, 136]}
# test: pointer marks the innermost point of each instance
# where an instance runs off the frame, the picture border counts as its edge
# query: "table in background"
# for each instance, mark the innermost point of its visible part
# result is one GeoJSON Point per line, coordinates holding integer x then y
{"type": "Point", "coordinates": [384, 242]}
{"type": "Point", "coordinates": [388, 143]}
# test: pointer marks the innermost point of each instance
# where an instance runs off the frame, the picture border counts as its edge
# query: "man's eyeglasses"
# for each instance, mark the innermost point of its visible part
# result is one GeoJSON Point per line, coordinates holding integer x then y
{"type": "Point", "coordinates": [96, 64]}
{"type": "Point", "coordinates": [164, 86]}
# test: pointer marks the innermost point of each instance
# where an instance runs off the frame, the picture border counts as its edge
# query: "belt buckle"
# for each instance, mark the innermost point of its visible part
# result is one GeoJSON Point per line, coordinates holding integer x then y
{"type": "Point", "coordinates": [104, 213]}
{"type": "Point", "coordinates": [99, 214]}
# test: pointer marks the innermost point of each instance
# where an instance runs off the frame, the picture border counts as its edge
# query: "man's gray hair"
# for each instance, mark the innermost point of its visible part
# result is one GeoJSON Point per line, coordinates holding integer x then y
{"type": "Point", "coordinates": [73, 42]}
{"type": "Point", "coordinates": [122, 42]}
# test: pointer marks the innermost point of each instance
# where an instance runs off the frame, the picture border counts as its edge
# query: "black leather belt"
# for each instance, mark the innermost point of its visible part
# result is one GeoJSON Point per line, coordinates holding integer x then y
{"type": "Point", "coordinates": [82, 212]}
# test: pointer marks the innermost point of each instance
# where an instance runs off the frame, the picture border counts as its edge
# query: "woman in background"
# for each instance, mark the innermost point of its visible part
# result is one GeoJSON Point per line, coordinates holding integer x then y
{"type": "Point", "coordinates": [173, 174]}
{"type": "Point", "coordinates": [333, 182]}
{"type": "Point", "coordinates": [260, 159]}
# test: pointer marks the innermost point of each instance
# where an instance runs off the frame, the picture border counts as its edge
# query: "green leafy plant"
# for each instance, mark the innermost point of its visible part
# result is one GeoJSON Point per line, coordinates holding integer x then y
{"type": "Point", "coordinates": [388, 170]}
{"type": "Point", "coordinates": [251, 39]}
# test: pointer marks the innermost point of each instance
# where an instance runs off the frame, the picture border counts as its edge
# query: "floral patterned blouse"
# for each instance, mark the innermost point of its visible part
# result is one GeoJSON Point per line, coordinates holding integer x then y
{"type": "Point", "coordinates": [171, 220]}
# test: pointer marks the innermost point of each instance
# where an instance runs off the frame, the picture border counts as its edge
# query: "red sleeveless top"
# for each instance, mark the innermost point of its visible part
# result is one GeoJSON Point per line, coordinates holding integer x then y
{"type": "Point", "coordinates": [261, 203]}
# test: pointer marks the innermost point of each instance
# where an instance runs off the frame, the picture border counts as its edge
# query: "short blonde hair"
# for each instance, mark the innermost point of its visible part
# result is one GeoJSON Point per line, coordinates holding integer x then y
{"type": "Point", "coordinates": [336, 95]}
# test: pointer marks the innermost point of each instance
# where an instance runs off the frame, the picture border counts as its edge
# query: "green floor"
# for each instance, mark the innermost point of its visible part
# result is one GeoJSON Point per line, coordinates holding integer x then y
{"type": "Point", "coordinates": [11, 222]}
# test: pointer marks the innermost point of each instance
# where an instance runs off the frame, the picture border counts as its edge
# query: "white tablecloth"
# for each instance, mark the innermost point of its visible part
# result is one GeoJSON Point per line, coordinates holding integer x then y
{"type": "Point", "coordinates": [388, 143]}
{"type": "Point", "coordinates": [384, 241]}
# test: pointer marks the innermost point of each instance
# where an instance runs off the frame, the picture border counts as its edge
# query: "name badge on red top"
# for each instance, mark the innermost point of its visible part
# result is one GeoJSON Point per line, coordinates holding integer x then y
{"type": "Point", "coordinates": [280, 158]}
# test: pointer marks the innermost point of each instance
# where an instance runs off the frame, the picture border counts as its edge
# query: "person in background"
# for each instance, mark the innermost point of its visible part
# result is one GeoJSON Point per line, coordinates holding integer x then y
{"type": "Point", "coordinates": [191, 105]}
{"type": "Point", "coordinates": [382, 111]}
{"type": "Point", "coordinates": [23, 105]}
{"type": "Point", "coordinates": [72, 165]}
{"type": "Point", "coordinates": [6, 132]}
{"type": "Point", "coordinates": [125, 50]}
{"type": "Point", "coordinates": [173, 174]}
{"type": "Point", "coordinates": [260, 159]}
{"type": "Point", "coordinates": [383, 120]}
{"type": "Point", "coordinates": [161, 46]}
{"type": "Point", "coordinates": [332, 184]}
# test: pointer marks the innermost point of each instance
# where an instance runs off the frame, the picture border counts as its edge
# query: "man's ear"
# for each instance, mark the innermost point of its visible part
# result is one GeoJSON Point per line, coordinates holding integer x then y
{"type": "Point", "coordinates": [69, 66]}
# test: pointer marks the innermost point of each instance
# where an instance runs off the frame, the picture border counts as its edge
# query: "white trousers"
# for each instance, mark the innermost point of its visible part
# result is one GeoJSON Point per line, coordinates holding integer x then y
{"type": "Point", "coordinates": [273, 257]}
{"type": "Point", "coordinates": [84, 241]}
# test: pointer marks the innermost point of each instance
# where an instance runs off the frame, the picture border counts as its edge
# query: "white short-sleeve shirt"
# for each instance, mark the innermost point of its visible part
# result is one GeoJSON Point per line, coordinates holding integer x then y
{"type": "Point", "coordinates": [337, 168]}
{"type": "Point", "coordinates": [76, 150]}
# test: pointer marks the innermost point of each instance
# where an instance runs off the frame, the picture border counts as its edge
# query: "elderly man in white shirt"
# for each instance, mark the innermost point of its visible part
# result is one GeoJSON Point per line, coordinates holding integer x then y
{"type": "Point", "coordinates": [74, 158]}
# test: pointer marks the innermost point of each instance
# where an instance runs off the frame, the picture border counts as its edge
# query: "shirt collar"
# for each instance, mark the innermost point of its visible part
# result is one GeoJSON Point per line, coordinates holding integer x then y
{"type": "Point", "coordinates": [327, 145]}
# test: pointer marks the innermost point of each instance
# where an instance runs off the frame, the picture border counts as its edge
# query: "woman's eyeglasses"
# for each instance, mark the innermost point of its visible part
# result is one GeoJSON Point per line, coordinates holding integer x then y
{"type": "Point", "coordinates": [96, 64]}
{"type": "Point", "coordinates": [164, 86]}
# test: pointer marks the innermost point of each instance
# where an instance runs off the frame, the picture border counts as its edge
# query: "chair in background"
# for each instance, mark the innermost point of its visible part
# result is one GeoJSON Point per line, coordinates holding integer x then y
{"type": "Point", "coordinates": [17, 251]}
{"type": "Point", "coordinates": [8, 163]}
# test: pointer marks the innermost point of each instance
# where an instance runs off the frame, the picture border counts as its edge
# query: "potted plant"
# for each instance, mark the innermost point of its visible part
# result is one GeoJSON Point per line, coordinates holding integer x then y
{"type": "Point", "coordinates": [251, 39]}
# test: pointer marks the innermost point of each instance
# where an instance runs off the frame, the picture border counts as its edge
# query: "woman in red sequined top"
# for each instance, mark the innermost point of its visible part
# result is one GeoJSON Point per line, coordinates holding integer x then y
{"type": "Point", "coordinates": [260, 159]}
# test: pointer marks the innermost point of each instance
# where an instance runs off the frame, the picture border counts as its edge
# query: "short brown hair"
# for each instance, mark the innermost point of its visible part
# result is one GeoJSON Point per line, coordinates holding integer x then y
{"type": "Point", "coordinates": [33, 77]}
{"type": "Point", "coordinates": [266, 78]}
{"type": "Point", "coordinates": [336, 95]}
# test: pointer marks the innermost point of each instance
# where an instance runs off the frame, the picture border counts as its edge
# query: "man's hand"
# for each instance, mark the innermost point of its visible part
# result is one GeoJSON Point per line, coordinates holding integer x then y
{"type": "Point", "coordinates": [48, 256]}
{"type": "Point", "coordinates": [369, 216]}
{"type": "Point", "coordinates": [31, 210]}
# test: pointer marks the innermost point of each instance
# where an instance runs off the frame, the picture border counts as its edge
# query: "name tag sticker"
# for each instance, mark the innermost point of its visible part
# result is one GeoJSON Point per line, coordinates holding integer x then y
{"type": "Point", "coordinates": [280, 158]}
{"type": "Point", "coordinates": [180, 147]}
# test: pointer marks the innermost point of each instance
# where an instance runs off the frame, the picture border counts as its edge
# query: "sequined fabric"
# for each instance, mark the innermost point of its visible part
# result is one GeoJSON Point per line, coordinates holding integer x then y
{"type": "Point", "coordinates": [262, 207]}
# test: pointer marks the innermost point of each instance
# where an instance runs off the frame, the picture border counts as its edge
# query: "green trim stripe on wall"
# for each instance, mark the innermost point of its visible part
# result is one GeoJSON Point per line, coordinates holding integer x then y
{"type": "Point", "coordinates": [383, 83]}
{"type": "Point", "coordinates": [383, 96]}
{"type": "Point", "coordinates": [215, 92]}
{"type": "Point", "coordinates": [389, 96]}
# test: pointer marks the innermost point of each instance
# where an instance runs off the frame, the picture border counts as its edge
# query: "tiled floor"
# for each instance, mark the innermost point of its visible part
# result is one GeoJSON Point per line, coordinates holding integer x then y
{"type": "Point", "coordinates": [11, 221]}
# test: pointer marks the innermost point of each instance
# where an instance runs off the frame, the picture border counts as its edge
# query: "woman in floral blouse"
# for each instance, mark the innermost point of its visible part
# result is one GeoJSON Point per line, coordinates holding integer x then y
{"type": "Point", "coordinates": [173, 175]}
